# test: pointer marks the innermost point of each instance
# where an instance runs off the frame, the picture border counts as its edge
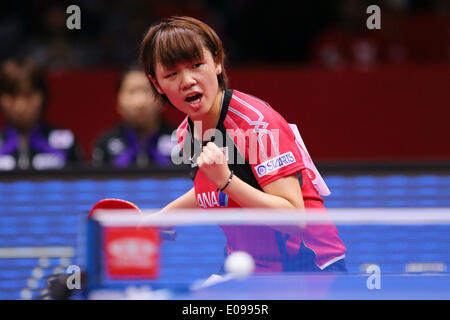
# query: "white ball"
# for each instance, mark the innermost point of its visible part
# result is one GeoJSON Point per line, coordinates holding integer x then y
{"type": "Point", "coordinates": [239, 264]}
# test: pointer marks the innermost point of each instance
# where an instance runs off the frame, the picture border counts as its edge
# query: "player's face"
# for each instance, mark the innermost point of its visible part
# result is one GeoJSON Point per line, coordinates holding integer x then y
{"type": "Point", "coordinates": [192, 87]}
{"type": "Point", "coordinates": [22, 110]}
{"type": "Point", "coordinates": [136, 102]}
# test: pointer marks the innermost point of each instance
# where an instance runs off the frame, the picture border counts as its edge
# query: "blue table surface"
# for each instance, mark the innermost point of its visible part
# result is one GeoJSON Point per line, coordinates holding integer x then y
{"type": "Point", "coordinates": [326, 286]}
{"type": "Point", "coordinates": [293, 287]}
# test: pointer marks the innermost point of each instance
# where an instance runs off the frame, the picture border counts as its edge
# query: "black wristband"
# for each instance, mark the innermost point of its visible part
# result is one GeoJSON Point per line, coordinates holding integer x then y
{"type": "Point", "coordinates": [226, 184]}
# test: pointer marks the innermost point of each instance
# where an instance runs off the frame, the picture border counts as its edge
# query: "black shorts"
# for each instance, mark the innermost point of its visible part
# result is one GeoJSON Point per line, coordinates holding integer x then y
{"type": "Point", "coordinates": [304, 261]}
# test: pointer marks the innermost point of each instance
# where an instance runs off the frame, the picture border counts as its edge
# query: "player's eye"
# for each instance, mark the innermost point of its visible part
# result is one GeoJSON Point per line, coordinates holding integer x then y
{"type": "Point", "coordinates": [170, 75]}
{"type": "Point", "coordinates": [195, 66]}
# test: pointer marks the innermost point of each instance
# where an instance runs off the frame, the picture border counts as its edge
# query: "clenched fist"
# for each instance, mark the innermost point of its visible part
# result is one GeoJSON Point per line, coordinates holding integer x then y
{"type": "Point", "coordinates": [213, 163]}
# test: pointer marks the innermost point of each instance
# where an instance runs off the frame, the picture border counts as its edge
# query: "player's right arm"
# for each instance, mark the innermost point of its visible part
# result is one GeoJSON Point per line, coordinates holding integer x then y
{"type": "Point", "coordinates": [186, 201]}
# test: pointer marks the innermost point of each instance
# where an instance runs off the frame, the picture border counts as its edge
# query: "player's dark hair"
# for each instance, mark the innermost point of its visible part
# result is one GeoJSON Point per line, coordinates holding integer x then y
{"type": "Point", "coordinates": [177, 40]}
{"type": "Point", "coordinates": [19, 75]}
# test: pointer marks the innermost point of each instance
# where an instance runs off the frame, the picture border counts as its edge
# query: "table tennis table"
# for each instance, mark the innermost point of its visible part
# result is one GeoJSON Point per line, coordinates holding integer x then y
{"type": "Point", "coordinates": [296, 286]}
{"type": "Point", "coordinates": [326, 286]}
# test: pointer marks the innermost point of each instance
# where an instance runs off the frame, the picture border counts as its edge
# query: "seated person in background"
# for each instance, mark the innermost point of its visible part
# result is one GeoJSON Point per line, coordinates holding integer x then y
{"type": "Point", "coordinates": [26, 141]}
{"type": "Point", "coordinates": [143, 139]}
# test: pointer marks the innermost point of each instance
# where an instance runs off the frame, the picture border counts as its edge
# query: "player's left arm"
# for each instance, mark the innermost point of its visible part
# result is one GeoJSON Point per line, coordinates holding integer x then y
{"type": "Point", "coordinates": [287, 188]}
{"type": "Point", "coordinates": [283, 193]}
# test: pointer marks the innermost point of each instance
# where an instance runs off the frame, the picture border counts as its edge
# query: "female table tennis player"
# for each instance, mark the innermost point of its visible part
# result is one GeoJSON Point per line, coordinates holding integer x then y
{"type": "Point", "coordinates": [242, 152]}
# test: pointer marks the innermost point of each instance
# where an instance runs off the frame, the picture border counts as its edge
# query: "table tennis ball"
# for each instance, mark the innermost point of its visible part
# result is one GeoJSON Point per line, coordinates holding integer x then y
{"type": "Point", "coordinates": [239, 264]}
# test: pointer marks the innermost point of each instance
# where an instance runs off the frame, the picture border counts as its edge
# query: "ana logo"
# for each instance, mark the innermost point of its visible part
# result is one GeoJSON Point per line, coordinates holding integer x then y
{"type": "Point", "coordinates": [274, 164]}
{"type": "Point", "coordinates": [207, 200]}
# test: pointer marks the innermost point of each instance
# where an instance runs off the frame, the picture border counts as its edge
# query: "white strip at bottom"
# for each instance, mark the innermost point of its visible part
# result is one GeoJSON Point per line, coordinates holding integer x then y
{"type": "Point", "coordinates": [36, 252]}
{"type": "Point", "coordinates": [331, 262]}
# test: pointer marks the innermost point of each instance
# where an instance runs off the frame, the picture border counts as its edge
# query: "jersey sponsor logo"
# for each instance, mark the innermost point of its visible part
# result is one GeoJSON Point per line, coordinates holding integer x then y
{"type": "Point", "coordinates": [209, 199]}
{"type": "Point", "coordinates": [274, 164]}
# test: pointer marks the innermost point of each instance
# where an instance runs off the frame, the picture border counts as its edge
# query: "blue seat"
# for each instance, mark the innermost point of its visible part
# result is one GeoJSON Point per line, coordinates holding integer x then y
{"type": "Point", "coordinates": [86, 186]}
{"type": "Point", "coordinates": [395, 180]}
{"type": "Point", "coordinates": [431, 203]}
{"type": "Point", "coordinates": [14, 273]}
{"type": "Point", "coordinates": [86, 197]}
{"type": "Point", "coordinates": [53, 186]}
{"type": "Point", "coordinates": [339, 192]}
{"type": "Point", "coordinates": [365, 193]}
{"type": "Point", "coordinates": [431, 180]}
{"type": "Point", "coordinates": [397, 203]}
{"type": "Point", "coordinates": [17, 284]}
{"type": "Point", "coordinates": [9, 295]}
{"type": "Point", "coordinates": [331, 203]}
{"type": "Point", "coordinates": [428, 191]}
{"type": "Point", "coordinates": [364, 181]}
{"type": "Point", "coordinates": [395, 192]}
{"type": "Point", "coordinates": [11, 263]}
{"type": "Point", "coordinates": [21, 186]}
{"type": "Point", "coordinates": [334, 181]}
{"type": "Point", "coordinates": [24, 241]}
{"type": "Point", "coordinates": [116, 185]}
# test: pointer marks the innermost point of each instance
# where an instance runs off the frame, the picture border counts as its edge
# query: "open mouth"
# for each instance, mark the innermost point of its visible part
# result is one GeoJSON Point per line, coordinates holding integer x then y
{"type": "Point", "coordinates": [194, 98]}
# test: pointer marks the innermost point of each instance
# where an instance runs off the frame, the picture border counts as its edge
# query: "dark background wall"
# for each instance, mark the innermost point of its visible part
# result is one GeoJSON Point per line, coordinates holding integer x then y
{"type": "Point", "coordinates": [356, 94]}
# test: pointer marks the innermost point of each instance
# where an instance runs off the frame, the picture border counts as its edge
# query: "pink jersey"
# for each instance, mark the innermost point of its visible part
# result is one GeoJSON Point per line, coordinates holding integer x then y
{"type": "Point", "coordinates": [261, 148]}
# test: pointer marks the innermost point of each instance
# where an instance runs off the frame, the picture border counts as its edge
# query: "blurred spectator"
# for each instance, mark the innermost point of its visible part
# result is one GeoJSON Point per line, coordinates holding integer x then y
{"type": "Point", "coordinates": [144, 138]}
{"type": "Point", "coordinates": [415, 37]}
{"type": "Point", "coordinates": [26, 141]}
{"type": "Point", "coordinates": [122, 29]}
{"type": "Point", "coordinates": [347, 42]}
{"type": "Point", "coordinates": [428, 33]}
{"type": "Point", "coordinates": [404, 37]}
{"type": "Point", "coordinates": [55, 46]}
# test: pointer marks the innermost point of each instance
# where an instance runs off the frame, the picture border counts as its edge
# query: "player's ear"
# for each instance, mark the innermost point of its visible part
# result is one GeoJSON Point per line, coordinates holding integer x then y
{"type": "Point", "coordinates": [218, 68]}
{"type": "Point", "coordinates": [155, 83]}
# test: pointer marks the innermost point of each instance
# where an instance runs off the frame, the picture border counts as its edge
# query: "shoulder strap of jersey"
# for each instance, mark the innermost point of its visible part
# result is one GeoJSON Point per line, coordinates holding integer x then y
{"type": "Point", "coordinates": [316, 178]}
